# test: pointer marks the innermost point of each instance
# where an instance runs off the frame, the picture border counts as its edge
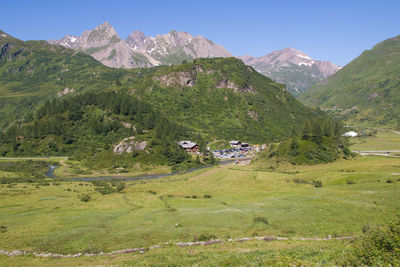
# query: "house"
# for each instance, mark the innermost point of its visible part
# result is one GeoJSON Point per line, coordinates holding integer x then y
{"type": "Point", "coordinates": [350, 134]}
{"type": "Point", "coordinates": [245, 145]}
{"type": "Point", "coordinates": [235, 143]}
{"type": "Point", "coordinates": [189, 146]}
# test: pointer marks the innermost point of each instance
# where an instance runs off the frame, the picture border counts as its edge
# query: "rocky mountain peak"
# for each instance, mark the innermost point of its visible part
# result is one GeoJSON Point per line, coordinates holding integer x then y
{"type": "Point", "coordinates": [292, 67]}
{"type": "Point", "coordinates": [102, 33]}
{"type": "Point", "coordinates": [175, 38]}
{"type": "Point", "coordinates": [136, 39]}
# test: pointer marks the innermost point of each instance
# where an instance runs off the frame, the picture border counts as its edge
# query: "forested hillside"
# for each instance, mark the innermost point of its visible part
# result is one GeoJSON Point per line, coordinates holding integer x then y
{"type": "Point", "coordinates": [211, 98]}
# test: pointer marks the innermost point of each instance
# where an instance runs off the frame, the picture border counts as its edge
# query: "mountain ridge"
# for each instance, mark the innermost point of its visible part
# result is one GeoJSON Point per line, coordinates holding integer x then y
{"type": "Point", "coordinates": [365, 91]}
{"type": "Point", "coordinates": [139, 50]}
{"type": "Point", "coordinates": [292, 67]}
{"type": "Point", "coordinates": [289, 66]}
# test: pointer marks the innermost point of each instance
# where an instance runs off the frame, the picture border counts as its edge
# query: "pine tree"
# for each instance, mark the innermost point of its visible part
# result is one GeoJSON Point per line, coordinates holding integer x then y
{"type": "Point", "coordinates": [306, 132]}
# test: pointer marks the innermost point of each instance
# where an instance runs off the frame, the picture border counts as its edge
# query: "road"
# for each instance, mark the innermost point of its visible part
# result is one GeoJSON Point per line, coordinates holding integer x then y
{"type": "Point", "coordinates": [386, 153]}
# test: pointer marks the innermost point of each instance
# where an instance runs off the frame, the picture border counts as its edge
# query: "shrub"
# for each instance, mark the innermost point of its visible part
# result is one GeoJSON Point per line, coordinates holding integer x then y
{"type": "Point", "coordinates": [105, 188]}
{"type": "Point", "coordinates": [152, 192]}
{"type": "Point", "coordinates": [120, 187]}
{"type": "Point", "coordinates": [259, 219]}
{"type": "Point", "coordinates": [350, 182]}
{"type": "Point", "coordinates": [300, 181]}
{"type": "Point", "coordinates": [207, 196]}
{"type": "Point", "coordinates": [389, 181]}
{"type": "Point", "coordinates": [194, 196]}
{"type": "Point", "coordinates": [346, 151]}
{"type": "Point", "coordinates": [205, 237]}
{"type": "Point", "coordinates": [378, 246]}
{"type": "Point", "coordinates": [317, 183]}
{"type": "Point", "coordinates": [85, 198]}
{"type": "Point", "coordinates": [3, 229]}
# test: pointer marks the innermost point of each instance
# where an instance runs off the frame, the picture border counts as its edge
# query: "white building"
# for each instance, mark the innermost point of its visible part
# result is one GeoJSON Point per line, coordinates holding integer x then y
{"type": "Point", "coordinates": [350, 134]}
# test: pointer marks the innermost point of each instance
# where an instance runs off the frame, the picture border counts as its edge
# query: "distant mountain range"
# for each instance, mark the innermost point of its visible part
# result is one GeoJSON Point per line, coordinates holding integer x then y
{"type": "Point", "coordinates": [367, 90]}
{"type": "Point", "coordinates": [138, 50]}
{"type": "Point", "coordinates": [293, 68]}
{"type": "Point", "coordinates": [288, 66]}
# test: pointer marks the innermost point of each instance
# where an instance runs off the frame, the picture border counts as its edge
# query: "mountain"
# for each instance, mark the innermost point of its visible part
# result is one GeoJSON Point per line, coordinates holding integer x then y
{"type": "Point", "coordinates": [34, 71]}
{"type": "Point", "coordinates": [223, 98]}
{"type": "Point", "coordinates": [138, 50]}
{"type": "Point", "coordinates": [213, 98]}
{"type": "Point", "coordinates": [293, 68]}
{"type": "Point", "coordinates": [366, 91]}
{"type": "Point", "coordinates": [288, 66]}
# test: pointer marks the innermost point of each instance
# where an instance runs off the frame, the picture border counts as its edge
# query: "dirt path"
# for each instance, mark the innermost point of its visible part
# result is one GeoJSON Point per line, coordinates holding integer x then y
{"type": "Point", "coordinates": [179, 244]}
{"type": "Point", "coordinates": [209, 172]}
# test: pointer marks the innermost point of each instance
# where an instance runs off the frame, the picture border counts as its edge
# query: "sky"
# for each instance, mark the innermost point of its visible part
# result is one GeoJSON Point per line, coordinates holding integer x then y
{"type": "Point", "coordinates": [336, 31]}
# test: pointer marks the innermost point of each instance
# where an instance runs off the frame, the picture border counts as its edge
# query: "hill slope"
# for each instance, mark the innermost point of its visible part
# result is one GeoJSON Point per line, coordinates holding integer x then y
{"type": "Point", "coordinates": [224, 98]}
{"type": "Point", "coordinates": [214, 98]}
{"type": "Point", "coordinates": [293, 68]}
{"type": "Point", "coordinates": [366, 91]}
{"type": "Point", "coordinates": [34, 71]}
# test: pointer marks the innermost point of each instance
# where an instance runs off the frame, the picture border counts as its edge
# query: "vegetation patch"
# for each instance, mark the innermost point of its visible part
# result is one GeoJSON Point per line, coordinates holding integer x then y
{"type": "Point", "coordinates": [260, 219]}
{"type": "Point", "coordinates": [378, 246]}
{"type": "Point", "coordinates": [108, 187]}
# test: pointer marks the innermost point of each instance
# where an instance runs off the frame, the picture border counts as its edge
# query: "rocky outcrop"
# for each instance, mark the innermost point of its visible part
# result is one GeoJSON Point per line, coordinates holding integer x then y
{"type": "Point", "coordinates": [253, 114]}
{"type": "Point", "coordinates": [128, 145]}
{"type": "Point", "coordinates": [66, 91]}
{"type": "Point", "coordinates": [226, 83]}
{"type": "Point", "coordinates": [177, 78]}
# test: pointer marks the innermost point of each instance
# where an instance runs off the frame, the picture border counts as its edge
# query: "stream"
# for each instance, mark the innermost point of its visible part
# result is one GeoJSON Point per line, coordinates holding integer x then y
{"type": "Point", "coordinates": [50, 173]}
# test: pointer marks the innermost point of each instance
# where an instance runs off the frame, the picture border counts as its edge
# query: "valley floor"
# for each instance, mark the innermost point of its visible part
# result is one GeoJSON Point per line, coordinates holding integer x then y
{"type": "Point", "coordinates": [223, 202]}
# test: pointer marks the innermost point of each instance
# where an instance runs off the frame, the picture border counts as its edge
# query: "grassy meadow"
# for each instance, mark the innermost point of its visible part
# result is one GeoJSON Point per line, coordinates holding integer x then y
{"type": "Point", "coordinates": [226, 201]}
{"type": "Point", "coordinates": [381, 141]}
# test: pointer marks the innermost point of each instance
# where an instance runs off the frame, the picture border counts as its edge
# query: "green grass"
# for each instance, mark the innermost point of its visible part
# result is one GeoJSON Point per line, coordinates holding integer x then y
{"type": "Point", "coordinates": [382, 141]}
{"type": "Point", "coordinates": [52, 218]}
{"type": "Point", "coordinates": [258, 253]}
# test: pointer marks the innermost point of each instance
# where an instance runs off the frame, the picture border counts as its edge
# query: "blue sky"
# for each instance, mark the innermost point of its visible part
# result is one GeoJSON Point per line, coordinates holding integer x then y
{"type": "Point", "coordinates": [336, 31]}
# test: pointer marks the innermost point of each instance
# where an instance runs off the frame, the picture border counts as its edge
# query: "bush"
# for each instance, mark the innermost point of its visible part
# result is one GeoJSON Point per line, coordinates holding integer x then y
{"type": "Point", "coordinates": [350, 182]}
{"type": "Point", "coordinates": [207, 196]}
{"type": "Point", "coordinates": [378, 246]}
{"type": "Point", "coordinates": [3, 229]}
{"type": "Point", "coordinates": [317, 183]}
{"type": "Point", "coordinates": [105, 188]}
{"type": "Point", "coordinates": [300, 181]}
{"type": "Point", "coordinates": [85, 198]}
{"type": "Point", "coordinates": [389, 181]}
{"type": "Point", "coordinates": [152, 192]}
{"type": "Point", "coordinates": [120, 187]}
{"type": "Point", "coordinates": [205, 237]}
{"type": "Point", "coordinates": [259, 219]}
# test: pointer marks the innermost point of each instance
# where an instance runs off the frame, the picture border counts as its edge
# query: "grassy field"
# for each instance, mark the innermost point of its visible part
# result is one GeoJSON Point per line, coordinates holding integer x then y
{"type": "Point", "coordinates": [223, 202]}
{"type": "Point", "coordinates": [255, 253]}
{"type": "Point", "coordinates": [382, 141]}
{"type": "Point", "coordinates": [71, 168]}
